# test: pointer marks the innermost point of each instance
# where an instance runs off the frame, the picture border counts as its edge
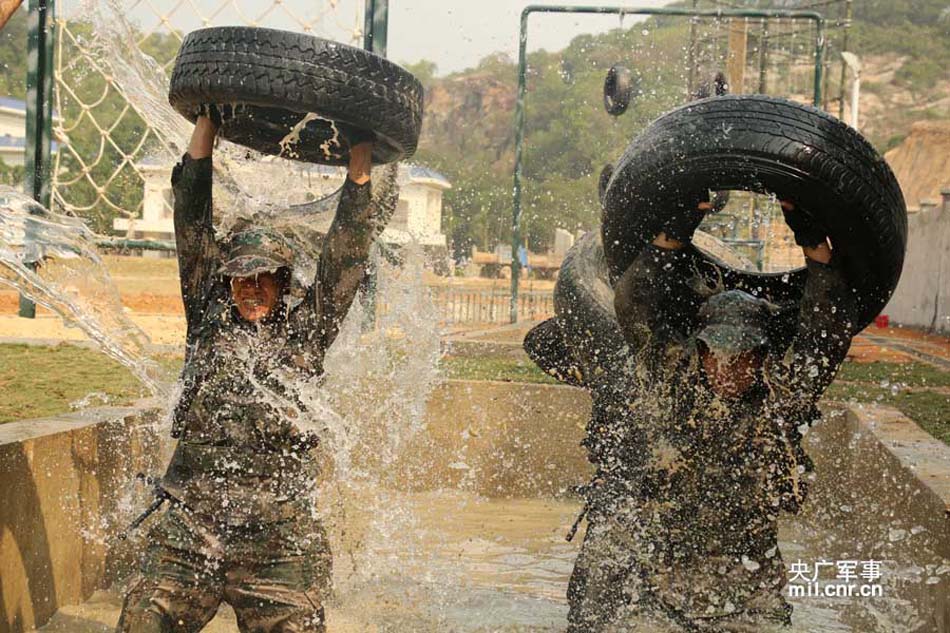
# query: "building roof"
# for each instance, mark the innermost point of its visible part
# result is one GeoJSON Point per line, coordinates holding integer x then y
{"type": "Point", "coordinates": [19, 105]}
{"type": "Point", "coordinates": [8, 141]}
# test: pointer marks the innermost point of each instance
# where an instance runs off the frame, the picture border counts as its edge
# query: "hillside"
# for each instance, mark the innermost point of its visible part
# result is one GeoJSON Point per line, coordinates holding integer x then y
{"type": "Point", "coordinates": [905, 50]}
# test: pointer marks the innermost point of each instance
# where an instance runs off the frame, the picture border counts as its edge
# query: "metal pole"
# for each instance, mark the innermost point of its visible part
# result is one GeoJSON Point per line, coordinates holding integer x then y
{"type": "Point", "coordinates": [519, 155]}
{"type": "Point", "coordinates": [522, 88]}
{"type": "Point", "coordinates": [848, 16]}
{"type": "Point", "coordinates": [375, 40]}
{"type": "Point", "coordinates": [39, 113]}
{"type": "Point", "coordinates": [376, 26]}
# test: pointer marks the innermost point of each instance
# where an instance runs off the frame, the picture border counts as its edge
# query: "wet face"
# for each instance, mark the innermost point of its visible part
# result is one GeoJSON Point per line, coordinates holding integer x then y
{"type": "Point", "coordinates": [255, 296]}
{"type": "Point", "coordinates": [730, 375]}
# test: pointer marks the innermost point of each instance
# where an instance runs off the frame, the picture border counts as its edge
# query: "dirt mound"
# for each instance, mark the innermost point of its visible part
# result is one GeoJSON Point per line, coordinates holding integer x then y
{"type": "Point", "coordinates": [922, 162]}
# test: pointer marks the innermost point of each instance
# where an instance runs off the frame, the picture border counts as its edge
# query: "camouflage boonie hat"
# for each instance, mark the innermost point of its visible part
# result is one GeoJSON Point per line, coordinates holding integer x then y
{"type": "Point", "coordinates": [734, 321]}
{"type": "Point", "coordinates": [256, 250]}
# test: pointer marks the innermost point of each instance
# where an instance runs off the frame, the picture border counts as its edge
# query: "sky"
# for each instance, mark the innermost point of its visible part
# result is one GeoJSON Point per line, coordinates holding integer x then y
{"type": "Point", "coordinates": [455, 34]}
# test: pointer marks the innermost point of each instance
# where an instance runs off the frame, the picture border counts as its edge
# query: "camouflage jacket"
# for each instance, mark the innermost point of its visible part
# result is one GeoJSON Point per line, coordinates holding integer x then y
{"type": "Point", "coordinates": [241, 457]}
{"type": "Point", "coordinates": [707, 477]}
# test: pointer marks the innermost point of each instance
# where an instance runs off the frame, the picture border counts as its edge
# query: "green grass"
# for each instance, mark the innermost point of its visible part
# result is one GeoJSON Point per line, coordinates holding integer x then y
{"type": "Point", "coordinates": [37, 381]}
{"type": "Point", "coordinates": [910, 374]}
{"type": "Point", "coordinates": [503, 369]}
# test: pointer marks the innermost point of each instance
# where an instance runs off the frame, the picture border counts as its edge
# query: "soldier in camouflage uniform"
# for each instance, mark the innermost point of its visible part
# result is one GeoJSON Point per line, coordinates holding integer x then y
{"type": "Point", "coordinates": [241, 526]}
{"type": "Point", "coordinates": [698, 444]}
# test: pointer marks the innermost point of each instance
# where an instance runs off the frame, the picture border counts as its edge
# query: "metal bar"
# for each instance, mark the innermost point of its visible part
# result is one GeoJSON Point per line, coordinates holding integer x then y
{"type": "Point", "coordinates": [848, 17]}
{"type": "Point", "coordinates": [376, 26]}
{"type": "Point", "coordinates": [39, 113]}
{"type": "Point", "coordinates": [605, 10]}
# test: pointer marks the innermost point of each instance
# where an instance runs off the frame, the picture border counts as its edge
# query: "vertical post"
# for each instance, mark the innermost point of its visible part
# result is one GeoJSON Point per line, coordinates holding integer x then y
{"type": "Point", "coordinates": [819, 59]}
{"type": "Point", "coordinates": [691, 56]}
{"type": "Point", "coordinates": [764, 57]}
{"type": "Point", "coordinates": [376, 26]}
{"type": "Point", "coordinates": [519, 152]}
{"type": "Point", "coordinates": [736, 59]}
{"type": "Point", "coordinates": [848, 16]}
{"type": "Point", "coordinates": [375, 39]}
{"type": "Point", "coordinates": [39, 112]}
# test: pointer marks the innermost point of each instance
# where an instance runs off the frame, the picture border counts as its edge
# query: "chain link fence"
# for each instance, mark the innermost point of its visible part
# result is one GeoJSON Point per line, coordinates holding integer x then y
{"type": "Point", "coordinates": [105, 139]}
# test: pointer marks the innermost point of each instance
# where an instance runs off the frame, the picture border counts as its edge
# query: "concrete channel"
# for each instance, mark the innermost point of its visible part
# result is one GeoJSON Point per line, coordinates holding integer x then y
{"type": "Point", "coordinates": [488, 487]}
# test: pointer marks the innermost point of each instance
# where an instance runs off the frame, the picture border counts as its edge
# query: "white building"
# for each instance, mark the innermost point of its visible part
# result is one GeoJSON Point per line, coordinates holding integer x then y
{"type": "Point", "coordinates": [418, 215]}
{"type": "Point", "coordinates": [13, 131]}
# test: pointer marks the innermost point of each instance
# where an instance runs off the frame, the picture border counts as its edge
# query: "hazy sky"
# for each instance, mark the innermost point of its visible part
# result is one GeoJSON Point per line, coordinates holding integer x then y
{"type": "Point", "coordinates": [455, 34]}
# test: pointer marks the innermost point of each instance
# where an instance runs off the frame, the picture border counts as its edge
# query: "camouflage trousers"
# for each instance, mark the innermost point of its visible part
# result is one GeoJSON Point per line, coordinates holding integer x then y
{"type": "Point", "coordinates": [612, 591]}
{"type": "Point", "coordinates": [275, 576]}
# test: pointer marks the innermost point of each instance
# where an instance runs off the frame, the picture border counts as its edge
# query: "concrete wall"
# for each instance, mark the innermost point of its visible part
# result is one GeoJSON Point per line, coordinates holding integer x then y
{"type": "Point", "coordinates": [922, 298]}
{"type": "Point", "coordinates": [62, 482]}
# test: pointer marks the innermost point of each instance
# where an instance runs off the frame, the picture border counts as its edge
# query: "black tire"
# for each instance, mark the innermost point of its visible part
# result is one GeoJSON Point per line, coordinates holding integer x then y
{"type": "Point", "coordinates": [585, 334]}
{"type": "Point", "coordinates": [766, 145]}
{"type": "Point", "coordinates": [276, 77]}
{"type": "Point", "coordinates": [618, 90]}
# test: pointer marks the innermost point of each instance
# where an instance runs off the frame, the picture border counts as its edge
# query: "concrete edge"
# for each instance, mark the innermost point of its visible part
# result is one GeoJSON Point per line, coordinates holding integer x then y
{"type": "Point", "coordinates": [25, 430]}
{"type": "Point", "coordinates": [915, 450]}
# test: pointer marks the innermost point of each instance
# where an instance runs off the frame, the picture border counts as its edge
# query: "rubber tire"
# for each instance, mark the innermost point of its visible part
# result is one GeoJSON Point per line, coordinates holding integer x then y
{"type": "Point", "coordinates": [767, 145]}
{"type": "Point", "coordinates": [276, 77]}
{"type": "Point", "coordinates": [618, 90]}
{"type": "Point", "coordinates": [584, 333]}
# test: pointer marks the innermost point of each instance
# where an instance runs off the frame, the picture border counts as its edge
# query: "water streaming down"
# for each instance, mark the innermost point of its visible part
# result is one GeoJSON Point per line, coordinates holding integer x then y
{"type": "Point", "coordinates": [442, 560]}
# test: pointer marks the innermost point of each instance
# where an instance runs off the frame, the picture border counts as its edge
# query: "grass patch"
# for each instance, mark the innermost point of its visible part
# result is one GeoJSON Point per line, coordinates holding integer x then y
{"type": "Point", "coordinates": [487, 368]}
{"type": "Point", "coordinates": [910, 374]}
{"type": "Point", "coordinates": [39, 381]}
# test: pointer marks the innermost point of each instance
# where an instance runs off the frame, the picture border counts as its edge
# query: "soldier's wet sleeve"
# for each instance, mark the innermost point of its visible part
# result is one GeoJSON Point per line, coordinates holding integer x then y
{"type": "Point", "coordinates": [360, 217]}
{"type": "Point", "coordinates": [194, 233]}
{"type": "Point", "coordinates": [826, 324]}
{"type": "Point", "coordinates": [655, 301]}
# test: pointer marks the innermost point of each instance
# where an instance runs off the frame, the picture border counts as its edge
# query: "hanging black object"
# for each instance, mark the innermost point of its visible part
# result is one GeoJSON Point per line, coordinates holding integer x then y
{"type": "Point", "coordinates": [618, 90]}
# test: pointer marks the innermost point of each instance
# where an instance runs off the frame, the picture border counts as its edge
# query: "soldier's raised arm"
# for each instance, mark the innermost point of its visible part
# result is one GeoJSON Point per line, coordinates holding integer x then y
{"type": "Point", "coordinates": [194, 231]}
{"type": "Point", "coordinates": [360, 217]}
{"type": "Point", "coordinates": [827, 317]}
{"type": "Point", "coordinates": [654, 300]}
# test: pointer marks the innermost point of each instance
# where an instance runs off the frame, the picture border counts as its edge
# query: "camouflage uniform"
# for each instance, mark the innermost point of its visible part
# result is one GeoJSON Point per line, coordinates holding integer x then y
{"type": "Point", "coordinates": [241, 527]}
{"type": "Point", "coordinates": [682, 513]}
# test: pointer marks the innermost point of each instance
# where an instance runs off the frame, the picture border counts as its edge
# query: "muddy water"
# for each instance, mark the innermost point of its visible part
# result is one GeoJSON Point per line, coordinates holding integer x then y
{"type": "Point", "coordinates": [503, 565]}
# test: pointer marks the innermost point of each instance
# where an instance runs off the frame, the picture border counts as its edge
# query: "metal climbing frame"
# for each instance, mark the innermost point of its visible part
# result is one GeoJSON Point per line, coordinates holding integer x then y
{"type": "Point", "coordinates": [516, 237]}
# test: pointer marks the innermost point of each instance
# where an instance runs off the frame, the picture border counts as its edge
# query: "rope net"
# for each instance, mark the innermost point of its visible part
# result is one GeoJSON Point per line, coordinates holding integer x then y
{"type": "Point", "coordinates": [108, 138]}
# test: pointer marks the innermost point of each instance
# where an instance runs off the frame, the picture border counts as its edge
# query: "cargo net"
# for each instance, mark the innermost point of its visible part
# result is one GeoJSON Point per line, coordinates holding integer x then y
{"type": "Point", "coordinates": [113, 137]}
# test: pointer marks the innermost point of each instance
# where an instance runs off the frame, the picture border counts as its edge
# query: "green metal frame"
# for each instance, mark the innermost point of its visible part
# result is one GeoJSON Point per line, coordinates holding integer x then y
{"type": "Point", "coordinates": [516, 238]}
{"type": "Point", "coordinates": [39, 112]}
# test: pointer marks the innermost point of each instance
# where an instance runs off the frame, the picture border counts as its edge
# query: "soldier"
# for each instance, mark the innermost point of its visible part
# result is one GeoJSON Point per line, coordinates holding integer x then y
{"type": "Point", "coordinates": [698, 445]}
{"type": "Point", "coordinates": [241, 526]}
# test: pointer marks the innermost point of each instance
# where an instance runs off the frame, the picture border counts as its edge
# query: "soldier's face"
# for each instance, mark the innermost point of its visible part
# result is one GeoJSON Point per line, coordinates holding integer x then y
{"type": "Point", "coordinates": [255, 296]}
{"type": "Point", "coordinates": [731, 375]}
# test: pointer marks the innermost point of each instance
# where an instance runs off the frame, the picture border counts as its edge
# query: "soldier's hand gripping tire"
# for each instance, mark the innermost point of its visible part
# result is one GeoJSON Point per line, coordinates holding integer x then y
{"type": "Point", "coordinates": [834, 177]}
{"type": "Point", "coordinates": [269, 88]}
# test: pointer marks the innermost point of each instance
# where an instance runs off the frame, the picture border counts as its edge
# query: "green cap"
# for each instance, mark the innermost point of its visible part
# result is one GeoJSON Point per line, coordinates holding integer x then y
{"type": "Point", "coordinates": [254, 251]}
{"type": "Point", "coordinates": [735, 321]}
